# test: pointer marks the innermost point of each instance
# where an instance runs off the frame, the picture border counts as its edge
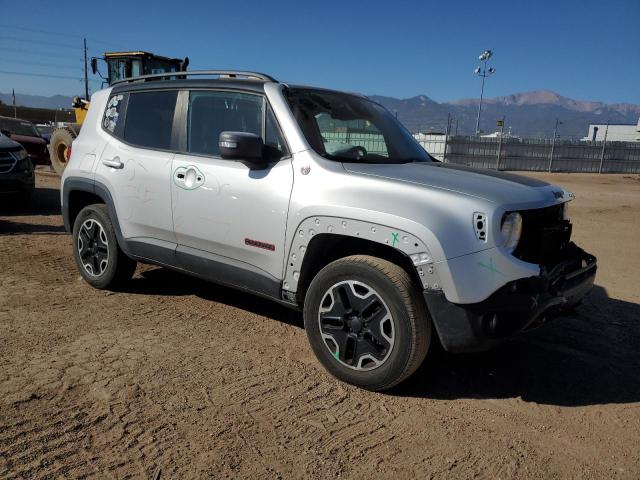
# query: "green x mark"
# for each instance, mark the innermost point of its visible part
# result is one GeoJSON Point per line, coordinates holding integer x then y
{"type": "Point", "coordinates": [490, 267]}
{"type": "Point", "coordinates": [395, 239]}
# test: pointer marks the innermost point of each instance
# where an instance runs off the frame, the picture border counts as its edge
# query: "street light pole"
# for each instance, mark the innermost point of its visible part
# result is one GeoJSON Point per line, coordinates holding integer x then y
{"type": "Point", "coordinates": [483, 72]}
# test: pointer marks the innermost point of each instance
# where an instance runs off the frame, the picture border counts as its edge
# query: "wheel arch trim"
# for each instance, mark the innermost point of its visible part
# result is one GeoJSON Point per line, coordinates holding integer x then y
{"type": "Point", "coordinates": [406, 243]}
{"type": "Point", "coordinates": [82, 184]}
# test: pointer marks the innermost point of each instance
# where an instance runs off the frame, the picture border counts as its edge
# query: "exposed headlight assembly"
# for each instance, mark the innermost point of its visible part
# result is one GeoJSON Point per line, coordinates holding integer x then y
{"type": "Point", "coordinates": [565, 211]}
{"type": "Point", "coordinates": [511, 229]}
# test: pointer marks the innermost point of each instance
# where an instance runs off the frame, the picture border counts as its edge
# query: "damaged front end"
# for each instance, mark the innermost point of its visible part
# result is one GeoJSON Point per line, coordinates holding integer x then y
{"type": "Point", "coordinates": [517, 306]}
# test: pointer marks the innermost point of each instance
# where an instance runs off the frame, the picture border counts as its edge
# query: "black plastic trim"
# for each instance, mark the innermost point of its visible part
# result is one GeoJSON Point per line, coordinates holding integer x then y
{"type": "Point", "coordinates": [174, 257]}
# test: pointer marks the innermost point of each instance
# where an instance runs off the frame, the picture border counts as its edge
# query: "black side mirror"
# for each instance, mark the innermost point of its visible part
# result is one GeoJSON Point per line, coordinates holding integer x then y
{"type": "Point", "coordinates": [94, 65]}
{"type": "Point", "coordinates": [242, 146]}
{"type": "Point", "coordinates": [6, 133]}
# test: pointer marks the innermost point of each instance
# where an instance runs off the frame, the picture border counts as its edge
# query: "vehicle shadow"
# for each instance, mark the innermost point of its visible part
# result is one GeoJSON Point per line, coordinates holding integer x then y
{"type": "Point", "coordinates": [590, 357]}
{"type": "Point", "coordinates": [44, 202]}
{"type": "Point", "coordinates": [162, 281]}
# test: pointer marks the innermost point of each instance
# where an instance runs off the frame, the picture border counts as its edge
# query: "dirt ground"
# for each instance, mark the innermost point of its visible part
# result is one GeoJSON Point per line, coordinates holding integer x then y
{"type": "Point", "coordinates": [178, 378]}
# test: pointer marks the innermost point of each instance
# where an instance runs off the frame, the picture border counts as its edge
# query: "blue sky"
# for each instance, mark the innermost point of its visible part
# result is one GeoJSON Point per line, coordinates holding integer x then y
{"type": "Point", "coordinates": [586, 50]}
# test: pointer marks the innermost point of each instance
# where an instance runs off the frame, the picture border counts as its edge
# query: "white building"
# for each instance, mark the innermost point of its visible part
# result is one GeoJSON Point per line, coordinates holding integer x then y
{"type": "Point", "coordinates": [615, 133]}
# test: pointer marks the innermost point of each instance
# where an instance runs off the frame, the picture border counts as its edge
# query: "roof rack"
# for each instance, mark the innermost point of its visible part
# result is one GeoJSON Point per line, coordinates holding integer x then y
{"type": "Point", "coordinates": [230, 73]}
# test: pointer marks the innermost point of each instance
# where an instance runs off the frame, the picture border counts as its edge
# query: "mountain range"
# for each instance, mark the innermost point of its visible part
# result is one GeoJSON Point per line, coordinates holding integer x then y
{"type": "Point", "coordinates": [529, 114]}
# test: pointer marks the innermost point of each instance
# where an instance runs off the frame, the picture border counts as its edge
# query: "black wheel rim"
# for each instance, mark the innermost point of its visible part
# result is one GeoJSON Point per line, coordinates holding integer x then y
{"type": "Point", "coordinates": [356, 325]}
{"type": "Point", "coordinates": [93, 247]}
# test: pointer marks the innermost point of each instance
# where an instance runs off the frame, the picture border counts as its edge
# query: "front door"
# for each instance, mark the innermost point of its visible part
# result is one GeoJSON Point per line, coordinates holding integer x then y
{"type": "Point", "coordinates": [223, 210]}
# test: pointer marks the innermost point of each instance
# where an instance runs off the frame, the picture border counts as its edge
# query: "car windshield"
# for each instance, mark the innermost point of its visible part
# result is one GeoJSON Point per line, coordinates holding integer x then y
{"type": "Point", "coordinates": [349, 128]}
{"type": "Point", "coordinates": [18, 127]}
{"type": "Point", "coordinates": [44, 129]}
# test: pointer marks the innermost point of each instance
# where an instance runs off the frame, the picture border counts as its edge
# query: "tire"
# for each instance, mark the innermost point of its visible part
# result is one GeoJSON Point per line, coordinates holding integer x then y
{"type": "Point", "coordinates": [98, 256]}
{"type": "Point", "coordinates": [379, 319]}
{"type": "Point", "coordinates": [61, 140]}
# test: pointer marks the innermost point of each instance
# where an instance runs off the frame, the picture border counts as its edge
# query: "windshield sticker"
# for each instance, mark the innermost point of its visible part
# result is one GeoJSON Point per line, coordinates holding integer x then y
{"type": "Point", "coordinates": [112, 113]}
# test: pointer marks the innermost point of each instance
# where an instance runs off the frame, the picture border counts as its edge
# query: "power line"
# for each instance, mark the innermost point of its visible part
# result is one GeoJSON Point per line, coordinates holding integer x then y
{"type": "Point", "coordinates": [40, 53]}
{"type": "Point", "coordinates": [33, 74]}
{"type": "Point", "coordinates": [42, 64]}
{"type": "Point", "coordinates": [68, 35]}
{"type": "Point", "coordinates": [40, 42]}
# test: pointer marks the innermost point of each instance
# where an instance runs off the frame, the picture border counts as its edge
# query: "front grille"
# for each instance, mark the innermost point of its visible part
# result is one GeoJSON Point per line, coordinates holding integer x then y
{"type": "Point", "coordinates": [7, 162]}
{"type": "Point", "coordinates": [545, 235]}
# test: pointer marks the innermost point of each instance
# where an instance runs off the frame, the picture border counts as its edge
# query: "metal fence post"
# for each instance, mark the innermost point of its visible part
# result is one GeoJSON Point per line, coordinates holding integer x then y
{"type": "Point", "coordinates": [500, 143]}
{"type": "Point", "coordinates": [553, 144]}
{"type": "Point", "coordinates": [604, 145]}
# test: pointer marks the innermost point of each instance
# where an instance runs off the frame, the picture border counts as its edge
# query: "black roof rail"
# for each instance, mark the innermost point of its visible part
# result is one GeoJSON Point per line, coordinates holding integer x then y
{"type": "Point", "coordinates": [230, 73]}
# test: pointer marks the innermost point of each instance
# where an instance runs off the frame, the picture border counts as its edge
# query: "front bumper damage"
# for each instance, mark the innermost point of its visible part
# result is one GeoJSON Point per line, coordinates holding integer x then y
{"type": "Point", "coordinates": [519, 305]}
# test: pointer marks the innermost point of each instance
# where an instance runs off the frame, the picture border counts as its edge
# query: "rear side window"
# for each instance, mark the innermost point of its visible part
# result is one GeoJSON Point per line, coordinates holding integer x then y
{"type": "Point", "coordinates": [149, 119]}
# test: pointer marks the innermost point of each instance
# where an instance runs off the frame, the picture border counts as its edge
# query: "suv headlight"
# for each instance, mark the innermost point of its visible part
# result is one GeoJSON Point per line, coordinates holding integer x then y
{"type": "Point", "coordinates": [20, 155]}
{"type": "Point", "coordinates": [511, 229]}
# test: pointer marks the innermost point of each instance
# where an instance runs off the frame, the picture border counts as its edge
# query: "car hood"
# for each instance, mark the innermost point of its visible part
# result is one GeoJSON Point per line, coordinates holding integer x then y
{"type": "Point", "coordinates": [7, 144]}
{"type": "Point", "coordinates": [28, 139]}
{"type": "Point", "coordinates": [491, 185]}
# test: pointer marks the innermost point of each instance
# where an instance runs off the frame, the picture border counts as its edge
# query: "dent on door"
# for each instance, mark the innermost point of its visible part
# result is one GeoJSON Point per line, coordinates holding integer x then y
{"type": "Point", "coordinates": [188, 177]}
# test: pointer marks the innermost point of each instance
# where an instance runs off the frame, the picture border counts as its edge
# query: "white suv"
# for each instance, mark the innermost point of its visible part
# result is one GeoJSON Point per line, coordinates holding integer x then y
{"type": "Point", "coordinates": [320, 200]}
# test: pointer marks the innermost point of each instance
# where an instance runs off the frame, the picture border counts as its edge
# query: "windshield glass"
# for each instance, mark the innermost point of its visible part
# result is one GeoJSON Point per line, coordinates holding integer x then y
{"type": "Point", "coordinates": [18, 127]}
{"type": "Point", "coordinates": [44, 129]}
{"type": "Point", "coordinates": [349, 128]}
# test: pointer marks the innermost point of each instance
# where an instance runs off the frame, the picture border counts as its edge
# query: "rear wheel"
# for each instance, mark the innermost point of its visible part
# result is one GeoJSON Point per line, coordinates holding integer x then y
{"type": "Point", "coordinates": [59, 145]}
{"type": "Point", "coordinates": [366, 322]}
{"type": "Point", "coordinates": [96, 251]}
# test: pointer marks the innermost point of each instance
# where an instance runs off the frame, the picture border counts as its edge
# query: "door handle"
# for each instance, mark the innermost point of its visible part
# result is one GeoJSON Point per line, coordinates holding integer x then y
{"type": "Point", "coordinates": [114, 162]}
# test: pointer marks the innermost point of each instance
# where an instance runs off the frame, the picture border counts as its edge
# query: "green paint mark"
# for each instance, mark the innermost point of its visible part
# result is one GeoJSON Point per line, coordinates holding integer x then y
{"type": "Point", "coordinates": [395, 239]}
{"type": "Point", "coordinates": [490, 267]}
{"type": "Point", "coordinates": [336, 355]}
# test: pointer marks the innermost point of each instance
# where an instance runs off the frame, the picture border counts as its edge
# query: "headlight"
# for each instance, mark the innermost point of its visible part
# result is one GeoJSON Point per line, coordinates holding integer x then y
{"type": "Point", "coordinates": [20, 154]}
{"type": "Point", "coordinates": [511, 229]}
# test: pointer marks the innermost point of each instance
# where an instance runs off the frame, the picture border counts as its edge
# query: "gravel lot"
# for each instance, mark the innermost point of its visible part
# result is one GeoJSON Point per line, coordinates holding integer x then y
{"type": "Point", "coordinates": [180, 378]}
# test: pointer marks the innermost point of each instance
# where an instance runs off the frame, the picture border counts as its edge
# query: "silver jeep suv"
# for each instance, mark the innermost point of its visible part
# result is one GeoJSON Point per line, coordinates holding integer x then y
{"type": "Point", "coordinates": [320, 200]}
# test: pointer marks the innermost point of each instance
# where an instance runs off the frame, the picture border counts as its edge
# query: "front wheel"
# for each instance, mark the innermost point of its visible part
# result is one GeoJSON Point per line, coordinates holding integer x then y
{"type": "Point", "coordinates": [366, 322]}
{"type": "Point", "coordinates": [96, 251]}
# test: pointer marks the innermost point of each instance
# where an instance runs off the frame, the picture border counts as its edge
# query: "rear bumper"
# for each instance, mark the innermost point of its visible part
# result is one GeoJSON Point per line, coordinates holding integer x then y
{"type": "Point", "coordinates": [517, 306]}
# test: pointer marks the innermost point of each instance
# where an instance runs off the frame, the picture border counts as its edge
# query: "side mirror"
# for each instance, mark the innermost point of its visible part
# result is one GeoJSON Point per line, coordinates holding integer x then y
{"type": "Point", "coordinates": [242, 146]}
{"type": "Point", "coordinates": [94, 65]}
{"type": "Point", "coordinates": [6, 133]}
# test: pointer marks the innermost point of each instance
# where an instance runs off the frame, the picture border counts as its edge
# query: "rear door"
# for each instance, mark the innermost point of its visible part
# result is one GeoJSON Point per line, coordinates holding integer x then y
{"type": "Point", "coordinates": [135, 165]}
{"type": "Point", "coordinates": [224, 210]}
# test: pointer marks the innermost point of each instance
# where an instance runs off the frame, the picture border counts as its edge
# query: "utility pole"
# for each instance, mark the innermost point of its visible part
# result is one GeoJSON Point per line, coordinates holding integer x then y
{"type": "Point", "coordinates": [604, 144]}
{"type": "Point", "coordinates": [15, 111]}
{"type": "Point", "coordinates": [484, 73]}
{"type": "Point", "coordinates": [553, 143]}
{"type": "Point", "coordinates": [86, 75]}
{"type": "Point", "coordinates": [501, 125]}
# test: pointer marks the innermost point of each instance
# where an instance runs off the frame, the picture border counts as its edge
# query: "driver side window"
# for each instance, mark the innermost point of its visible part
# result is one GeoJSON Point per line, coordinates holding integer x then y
{"type": "Point", "coordinates": [343, 136]}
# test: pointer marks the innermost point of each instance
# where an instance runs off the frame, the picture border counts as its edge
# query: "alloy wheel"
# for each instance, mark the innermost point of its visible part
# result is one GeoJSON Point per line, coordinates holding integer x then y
{"type": "Point", "coordinates": [93, 247]}
{"type": "Point", "coordinates": [356, 325]}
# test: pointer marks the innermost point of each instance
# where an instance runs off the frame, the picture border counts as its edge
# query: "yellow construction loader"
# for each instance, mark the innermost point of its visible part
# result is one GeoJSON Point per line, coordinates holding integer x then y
{"type": "Point", "coordinates": [120, 65]}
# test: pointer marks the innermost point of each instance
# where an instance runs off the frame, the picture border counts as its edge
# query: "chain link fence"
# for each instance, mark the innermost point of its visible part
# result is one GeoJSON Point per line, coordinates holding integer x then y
{"type": "Point", "coordinates": [513, 153]}
{"type": "Point", "coordinates": [536, 155]}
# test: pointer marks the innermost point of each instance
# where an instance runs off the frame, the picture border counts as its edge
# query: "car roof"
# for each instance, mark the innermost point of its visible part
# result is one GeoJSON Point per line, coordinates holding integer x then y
{"type": "Point", "coordinates": [226, 83]}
